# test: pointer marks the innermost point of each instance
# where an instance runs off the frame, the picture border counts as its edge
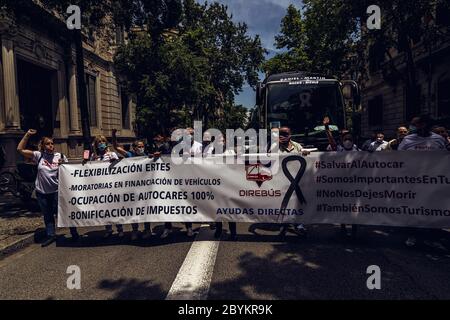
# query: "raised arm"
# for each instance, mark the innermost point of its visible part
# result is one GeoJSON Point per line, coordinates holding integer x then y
{"type": "Point", "coordinates": [23, 144]}
{"type": "Point", "coordinates": [331, 141]}
{"type": "Point", "coordinates": [116, 146]}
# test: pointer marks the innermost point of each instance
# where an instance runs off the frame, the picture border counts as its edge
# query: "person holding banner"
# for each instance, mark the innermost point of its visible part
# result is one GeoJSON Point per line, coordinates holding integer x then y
{"type": "Point", "coordinates": [188, 133]}
{"type": "Point", "coordinates": [402, 132]}
{"type": "Point", "coordinates": [287, 145]}
{"type": "Point", "coordinates": [213, 148]}
{"type": "Point", "coordinates": [442, 131]}
{"type": "Point", "coordinates": [346, 145]}
{"type": "Point", "coordinates": [48, 162]}
{"type": "Point", "coordinates": [420, 139]}
{"type": "Point", "coordinates": [379, 144]}
{"type": "Point", "coordinates": [138, 150]}
{"type": "Point", "coordinates": [102, 153]}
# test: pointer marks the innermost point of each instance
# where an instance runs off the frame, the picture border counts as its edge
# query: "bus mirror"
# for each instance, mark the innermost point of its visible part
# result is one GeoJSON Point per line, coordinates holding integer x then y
{"type": "Point", "coordinates": [347, 92]}
{"type": "Point", "coordinates": [259, 90]}
{"type": "Point", "coordinates": [350, 92]}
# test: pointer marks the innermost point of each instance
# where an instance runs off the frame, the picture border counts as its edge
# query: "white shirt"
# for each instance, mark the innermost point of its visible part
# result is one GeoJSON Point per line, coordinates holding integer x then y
{"type": "Point", "coordinates": [196, 148]}
{"type": "Point", "coordinates": [416, 142]}
{"type": "Point", "coordinates": [377, 146]}
{"type": "Point", "coordinates": [47, 173]}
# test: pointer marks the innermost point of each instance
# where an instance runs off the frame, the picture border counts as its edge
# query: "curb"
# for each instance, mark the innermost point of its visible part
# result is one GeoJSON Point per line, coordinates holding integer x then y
{"type": "Point", "coordinates": [22, 243]}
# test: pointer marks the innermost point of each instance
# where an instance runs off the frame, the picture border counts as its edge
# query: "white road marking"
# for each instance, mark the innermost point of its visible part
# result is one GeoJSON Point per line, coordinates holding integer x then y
{"type": "Point", "coordinates": [194, 277]}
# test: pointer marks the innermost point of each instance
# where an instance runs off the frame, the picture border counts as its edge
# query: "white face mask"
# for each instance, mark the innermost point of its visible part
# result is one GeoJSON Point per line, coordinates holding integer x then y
{"type": "Point", "coordinates": [140, 151]}
{"type": "Point", "coordinates": [348, 144]}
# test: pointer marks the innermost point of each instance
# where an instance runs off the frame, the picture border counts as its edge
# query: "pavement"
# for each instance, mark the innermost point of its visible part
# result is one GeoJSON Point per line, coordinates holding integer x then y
{"type": "Point", "coordinates": [325, 265]}
{"type": "Point", "coordinates": [20, 224]}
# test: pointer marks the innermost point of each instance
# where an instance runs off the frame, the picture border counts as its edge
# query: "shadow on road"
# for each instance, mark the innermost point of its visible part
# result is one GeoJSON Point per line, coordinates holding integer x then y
{"type": "Point", "coordinates": [332, 267]}
{"type": "Point", "coordinates": [132, 289]}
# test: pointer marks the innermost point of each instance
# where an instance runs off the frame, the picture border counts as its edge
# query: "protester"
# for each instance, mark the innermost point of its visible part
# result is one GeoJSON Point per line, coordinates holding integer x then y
{"type": "Point", "coordinates": [366, 145]}
{"type": "Point", "coordinates": [379, 144]}
{"type": "Point", "coordinates": [47, 179]}
{"type": "Point", "coordinates": [178, 134]}
{"type": "Point", "coordinates": [287, 145]}
{"type": "Point", "coordinates": [420, 139]}
{"type": "Point", "coordinates": [218, 148]}
{"type": "Point", "coordinates": [442, 131]}
{"type": "Point", "coordinates": [196, 146]}
{"type": "Point", "coordinates": [160, 145]}
{"type": "Point", "coordinates": [402, 132]}
{"type": "Point", "coordinates": [346, 145]}
{"type": "Point", "coordinates": [137, 150]}
{"type": "Point", "coordinates": [102, 153]}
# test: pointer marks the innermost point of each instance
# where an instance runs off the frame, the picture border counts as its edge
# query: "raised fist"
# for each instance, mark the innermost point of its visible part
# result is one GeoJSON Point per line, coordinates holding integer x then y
{"type": "Point", "coordinates": [31, 132]}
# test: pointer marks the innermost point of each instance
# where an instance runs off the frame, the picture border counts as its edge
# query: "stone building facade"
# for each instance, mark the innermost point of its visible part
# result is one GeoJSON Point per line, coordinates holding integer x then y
{"type": "Point", "coordinates": [38, 88]}
{"type": "Point", "coordinates": [384, 97]}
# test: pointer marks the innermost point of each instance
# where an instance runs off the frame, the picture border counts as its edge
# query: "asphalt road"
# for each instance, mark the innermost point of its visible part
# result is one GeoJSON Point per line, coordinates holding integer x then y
{"type": "Point", "coordinates": [326, 265]}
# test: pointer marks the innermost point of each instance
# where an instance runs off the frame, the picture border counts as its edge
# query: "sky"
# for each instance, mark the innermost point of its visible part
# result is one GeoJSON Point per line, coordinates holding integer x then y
{"type": "Point", "coordinates": [263, 18]}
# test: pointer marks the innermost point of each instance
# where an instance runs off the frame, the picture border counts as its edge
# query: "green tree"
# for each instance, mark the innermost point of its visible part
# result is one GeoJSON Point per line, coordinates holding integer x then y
{"type": "Point", "coordinates": [292, 38]}
{"type": "Point", "coordinates": [192, 74]}
{"type": "Point", "coordinates": [319, 40]}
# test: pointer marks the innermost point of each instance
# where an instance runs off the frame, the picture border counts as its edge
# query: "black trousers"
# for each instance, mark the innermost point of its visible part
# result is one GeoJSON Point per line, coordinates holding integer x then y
{"type": "Point", "coordinates": [231, 225]}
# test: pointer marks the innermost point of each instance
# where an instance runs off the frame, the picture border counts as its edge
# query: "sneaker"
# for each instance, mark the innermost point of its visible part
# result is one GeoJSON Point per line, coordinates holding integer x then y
{"type": "Point", "coordinates": [75, 237]}
{"type": "Point", "coordinates": [107, 234]}
{"type": "Point", "coordinates": [147, 234]}
{"type": "Point", "coordinates": [134, 235]}
{"type": "Point", "coordinates": [190, 233]}
{"type": "Point", "coordinates": [120, 234]}
{"type": "Point", "coordinates": [49, 241]}
{"type": "Point", "coordinates": [411, 241]}
{"type": "Point", "coordinates": [165, 233]}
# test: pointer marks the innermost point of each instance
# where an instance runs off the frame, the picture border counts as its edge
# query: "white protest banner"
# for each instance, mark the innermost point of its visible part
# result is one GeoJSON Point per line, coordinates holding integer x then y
{"type": "Point", "coordinates": [403, 188]}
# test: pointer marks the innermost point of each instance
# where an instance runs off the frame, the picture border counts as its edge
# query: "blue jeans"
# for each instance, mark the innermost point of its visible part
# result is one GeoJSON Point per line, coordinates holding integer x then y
{"type": "Point", "coordinates": [49, 207]}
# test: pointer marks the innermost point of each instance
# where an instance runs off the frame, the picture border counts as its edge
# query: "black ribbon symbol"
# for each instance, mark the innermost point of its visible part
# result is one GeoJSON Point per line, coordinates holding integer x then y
{"type": "Point", "coordinates": [295, 186]}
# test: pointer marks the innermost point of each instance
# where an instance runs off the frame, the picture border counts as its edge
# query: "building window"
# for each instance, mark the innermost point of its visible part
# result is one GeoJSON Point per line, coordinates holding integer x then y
{"type": "Point", "coordinates": [443, 93]}
{"type": "Point", "coordinates": [91, 99]}
{"type": "Point", "coordinates": [375, 109]}
{"type": "Point", "coordinates": [443, 14]}
{"type": "Point", "coordinates": [412, 102]}
{"type": "Point", "coordinates": [376, 56]}
{"type": "Point", "coordinates": [125, 102]}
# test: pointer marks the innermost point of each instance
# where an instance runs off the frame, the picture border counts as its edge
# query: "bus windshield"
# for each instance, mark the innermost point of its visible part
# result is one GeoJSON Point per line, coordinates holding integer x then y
{"type": "Point", "coordinates": [303, 106]}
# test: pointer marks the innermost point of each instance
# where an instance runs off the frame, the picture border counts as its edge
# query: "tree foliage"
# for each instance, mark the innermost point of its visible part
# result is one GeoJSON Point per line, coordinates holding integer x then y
{"type": "Point", "coordinates": [195, 72]}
